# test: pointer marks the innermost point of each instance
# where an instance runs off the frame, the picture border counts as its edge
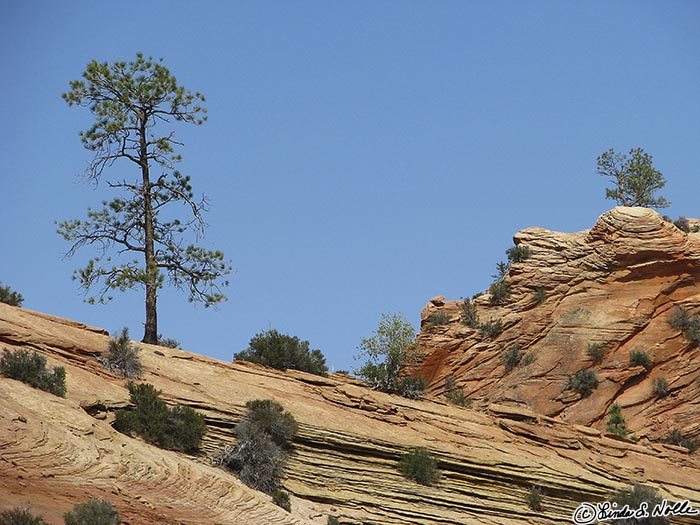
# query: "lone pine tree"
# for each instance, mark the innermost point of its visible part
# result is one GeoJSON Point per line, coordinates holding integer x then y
{"type": "Point", "coordinates": [135, 105]}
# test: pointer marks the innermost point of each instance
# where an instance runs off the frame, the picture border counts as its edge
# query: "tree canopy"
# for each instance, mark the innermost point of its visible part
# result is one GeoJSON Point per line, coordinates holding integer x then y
{"type": "Point", "coordinates": [636, 180]}
{"type": "Point", "coordinates": [135, 105]}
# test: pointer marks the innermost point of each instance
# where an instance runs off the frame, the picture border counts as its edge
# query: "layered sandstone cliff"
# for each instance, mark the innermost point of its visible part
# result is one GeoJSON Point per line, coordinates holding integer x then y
{"type": "Point", "coordinates": [615, 285]}
{"type": "Point", "coordinates": [55, 452]}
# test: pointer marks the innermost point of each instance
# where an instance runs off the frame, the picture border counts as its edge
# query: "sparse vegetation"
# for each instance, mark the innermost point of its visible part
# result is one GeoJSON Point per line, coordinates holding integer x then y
{"type": "Point", "coordinates": [491, 328]}
{"type": "Point", "coordinates": [539, 295]}
{"type": "Point", "coordinates": [584, 381]}
{"type": "Point", "coordinates": [9, 296]}
{"type": "Point", "coordinates": [534, 498]}
{"type": "Point", "coordinates": [499, 292]}
{"type": "Point", "coordinates": [518, 254]}
{"type": "Point", "coordinates": [675, 437]}
{"type": "Point", "coordinates": [512, 357]}
{"type": "Point", "coordinates": [468, 315]}
{"type": "Point", "coordinates": [123, 357]}
{"type": "Point", "coordinates": [661, 388]}
{"type": "Point", "coordinates": [281, 499]}
{"type": "Point", "coordinates": [616, 421]}
{"type": "Point", "coordinates": [179, 428]}
{"type": "Point", "coordinates": [633, 497]}
{"type": "Point", "coordinates": [528, 358]}
{"type": "Point", "coordinates": [94, 512]}
{"type": "Point", "coordinates": [596, 352]}
{"type": "Point", "coordinates": [682, 224]}
{"type": "Point", "coordinates": [332, 520]}
{"type": "Point", "coordinates": [263, 437]}
{"type": "Point", "coordinates": [167, 342]}
{"type": "Point", "coordinates": [31, 368]}
{"type": "Point", "coordinates": [283, 352]}
{"type": "Point", "coordinates": [391, 348]}
{"type": "Point", "coordinates": [454, 394]}
{"type": "Point", "coordinates": [420, 466]}
{"type": "Point", "coordinates": [21, 516]}
{"type": "Point", "coordinates": [438, 319]}
{"type": "Point", "coordinates": [687, 323]}
{"type": "Point", "coordinates": [640, 358]}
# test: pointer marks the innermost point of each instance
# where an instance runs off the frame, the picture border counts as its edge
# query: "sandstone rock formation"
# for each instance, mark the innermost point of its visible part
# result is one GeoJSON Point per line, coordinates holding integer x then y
{"type": "Point", "coordinates": [55, 452]}
{"type": "Point", "coordinates": [615, 285]}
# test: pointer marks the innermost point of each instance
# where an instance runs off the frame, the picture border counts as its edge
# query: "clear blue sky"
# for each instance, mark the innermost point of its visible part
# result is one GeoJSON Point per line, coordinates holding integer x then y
{"type": "Point", "coordinates": [360, 157]}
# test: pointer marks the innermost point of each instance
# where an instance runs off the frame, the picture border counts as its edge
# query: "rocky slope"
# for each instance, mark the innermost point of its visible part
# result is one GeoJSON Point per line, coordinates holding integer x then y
{"type": "Point", "coordinates": [55, 452]}
{"type": "Point", "coordinates": [615, 285]}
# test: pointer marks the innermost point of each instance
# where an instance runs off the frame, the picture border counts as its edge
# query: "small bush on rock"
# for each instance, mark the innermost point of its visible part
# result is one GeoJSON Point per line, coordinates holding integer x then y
{"type": "Point", "coordinates": [534, 498]}
{"type": "Point", "coordinates": [491, 328]}
{"type": "Point", "coordinates": [454, 394]}
{"type": "Point", "coordinates": [332, 520]}
{"type": "Point", "coordinates": [420, 466]}
{"type": "Point", "coordinates": [633, 497]}
{"type": "Point", "coordinates": [179, 428]}
{"type": "Point", "coordinates": [438, 319]}
{"type": "Point", "coordinates": [283, 352]}
{"type": "Point", "coordinates": [8, 296]}
{"type": "Point", "coordinates": [281, 499]}
{"type": "Point", "coordinates": [500, 292]}
{"type": "Point", "coordinates": [167, 342]}
{"type": "Point", "coordinates": [539, 295]}
{"type": "Point", "coordinates": [518, 254]}
{"type": "Point", "coordinates": [259, 455]}
{"type": "Point", "coordinates": [20, 516]}
{"type": "Point", "coordinates": [512, 357]}
{"type": "Point", "coordinates": [616, 421]}
{"type": "Point", "coordinates": [687, 323]}
{"type": "Point", "coordinates": [468, 314]}
{"type": "Point", "coordinates": [31, 368]}
{"type": "Point", "coordinates": [661, 388]}
{"type": "Point", "coordinates": [123, 357]}
{"type": "Point", "coordinates": [639, 358]}
{"type": "Point", "coordinates": [596, 352]}
{"type": "Point", "coordinates": [584, 381]}
{"type": "Point", "coordinates": [94, 512]}
{"type": "Point", "coordinates": [675, 437]}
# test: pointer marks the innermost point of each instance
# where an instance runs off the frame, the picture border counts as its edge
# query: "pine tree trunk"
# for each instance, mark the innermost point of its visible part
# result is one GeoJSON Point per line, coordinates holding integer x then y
{"type": "Point", "coordinates": [151, 326]}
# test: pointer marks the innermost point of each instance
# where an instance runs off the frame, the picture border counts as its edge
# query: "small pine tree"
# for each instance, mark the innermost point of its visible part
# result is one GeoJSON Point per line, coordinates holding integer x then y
{"type": "Point", "coordinates": [468, 314]}
{"type": "Point", "coordinates": [9, 296]}
{"type": "Point", "coordinates": [123, 357]}
{"type": "Point", "coordinates": [616, 421]}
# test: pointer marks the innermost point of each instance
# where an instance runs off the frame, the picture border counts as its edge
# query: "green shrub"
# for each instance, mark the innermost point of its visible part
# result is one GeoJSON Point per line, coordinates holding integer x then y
{"type": "Point", "coordinates": [179, 428]}
{"type": "Point", "coordinates": [595, 352]}
{"type": "Point", "coordinates": [167, 342]}
{"type": "Point", "coordinates": [420, 466]}
{"type": "Point", "coordinates": [391, 349]}
{"type": "Point", "coordinates": [94, 512]}
{"type": "Point", "coordinates": [687, 323]}
{"type": "Point", "coordinates": [281, 499]}
{"type": "Point", "coordinates": [640, 358]}
{"type": "Point", "coordinates": [411, 387]}
{"type": "Point", "coordinates": [518, 254]}
{"type": "Point", "coordinates": [468, 314]}
{"type": "Point", "coordinates": [491, 328]}
{"type": "Point", "coordinates": [500, 292]}
{"type": "Point", "coordinates": [539, 295]}
{"type": "Point", "coordinates": [283, 352]}
{"type": "Point", "coordinates": [534, 498]}
{"type": "Point", "coordinates": [20, 516]}
{"type": "Point", "coordinates": [633, 497]}
{"type": "Point", "coordinates": [675, 437]}
{"type": "Point", "coordinates": [8, 296]}
{"type": "Point", "coordinates": [123, 357]}
{"type": "Point", "coordinates": [584, 381]}
{"type": "Point", "coordinates": [512, 357]}
{"type": "Point", "coordinates": [682, 224]}
{"type": "Point", "coordinates": [454, 394]}
{"type": "Point", "coordinates": [501, 271]}
{"type": "Point", "coordinates": [438, 319]}
{"type": "Point", "coordinates": [661, 388]}
{"type": "Point", "coordinates": [31, 368]}
{"type": "Point", "coordinates": [259, 456]}
{"type": "Point", "coordinates": [616, 421]}
{"type": "Point", "coordinates": [528, 358]}
{"type": "Point", "coordinates": [332, 520]}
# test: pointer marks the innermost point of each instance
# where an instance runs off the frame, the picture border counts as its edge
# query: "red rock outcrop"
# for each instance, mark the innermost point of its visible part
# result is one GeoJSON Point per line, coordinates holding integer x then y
{"type": "Point", "coordinates": [615, 285]}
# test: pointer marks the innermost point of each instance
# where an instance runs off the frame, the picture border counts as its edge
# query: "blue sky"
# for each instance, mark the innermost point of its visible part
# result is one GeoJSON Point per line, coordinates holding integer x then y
{"type": "Point", "coordinates": [360, 157]}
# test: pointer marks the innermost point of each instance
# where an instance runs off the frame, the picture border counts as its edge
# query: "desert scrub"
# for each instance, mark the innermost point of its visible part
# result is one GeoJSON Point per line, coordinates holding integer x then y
{"type": "Point", "coordinates": [539, 295]}
{"type": "Point", "coordinates": [595, 352]}
{"type": "Point", "coordinates": [661, 388]}
{"type": "Point", "coordinates": [633, 497]}
{"type": "Point", "coordinates": [499, 293]}
{"type": "Point", "coordinates": [123, 357]}
{"type": "Point", "coordinates": [454, 394]}
{"type": "Point", "coordinates": [675, 437]}
{"type": "Point", "coordinates": [281, 499]}
{"type": "Point", "coordinates": [467, 314]}
{"type": "Point", "coordinates": [512, 357]}
{"type": "Point", "coordinates": [420, 466]}
{"type": "Point", "coordinates": [438, 319]}
{"type": "Point", "coordinates": [9, 296]}
{"type": "Point", "coordinates": [178, 428]}
{"type": "Point", "coordinates": [584, 381]}
{"type": "Point", "coordinates": [491, 328]}
{"type": "Point", "coordinates": [687, 323]}
{"type": "Point", "coordinates": [518, 254]}
{"type": "Point", "coordinates": [93, 512]}
{"type": "Point", "coordinates": [616, 421]}
{"type": "Point", "coordinates": [30, 368]}
{"type": "Point", "coordinates": [263, 438]}
{"type": "Point", "coordinates": [640, 358]}
{"type": "Point", "coordinates": [21, 516]}
{"type": "Point", "coordinates": [534, 498]}
{"type": "Point", "coordinates": [283, 352]}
